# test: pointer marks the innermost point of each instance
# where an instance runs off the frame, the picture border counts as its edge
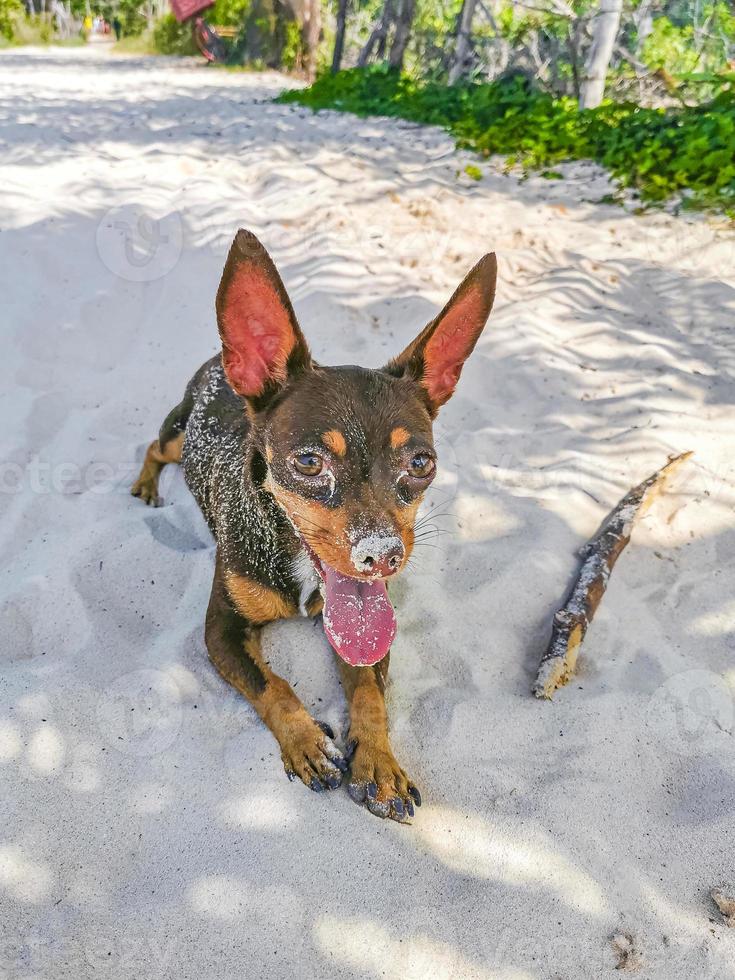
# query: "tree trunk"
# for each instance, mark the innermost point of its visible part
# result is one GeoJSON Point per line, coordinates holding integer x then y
{"type": "Point", "coordinates": [339, 37]}
{"type": "Point", "coordinates": [643, 21]}
{"type": "Point", "coordinates": [378, 35]}
{"type": "Point", "coordinates": [463, 45]}
{"type": "Point", "coordinates": [404, 22]}
{"type": "Point", "coordinates": [573, 32]}
{"type": "Point", "coordinates": [310, 32]}
{"type": "Point", "coordinates": [605, 26]}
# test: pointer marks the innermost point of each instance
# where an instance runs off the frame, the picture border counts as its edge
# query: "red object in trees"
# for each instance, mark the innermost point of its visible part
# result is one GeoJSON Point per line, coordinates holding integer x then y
{"type": "Point", "coordinates": [184, 9]}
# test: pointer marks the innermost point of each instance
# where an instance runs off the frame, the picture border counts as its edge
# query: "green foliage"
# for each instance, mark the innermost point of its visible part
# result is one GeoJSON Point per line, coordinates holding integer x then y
{"type": "Point", "coordinates": [292, 47]}
{"type": "Point", "coordinates": [472, 171]}
{"type": "Point", "coordinates": [34, 29]}
{"type": "Point", "coordinates": [681, 49]}
{"type": "Point", "coordinates": [230, 13]}
{"type": "Point", "coordinates": [432, 26]}
{"type": "Point", "coordinates": [170, 37]}
{"type": "Point", "coordinates": [267, 35]}
{"type": "Point", "coordinates": [670, 47]}
{"type": "Point", "coordinates": [132, 17]}
{"type": "Point", "coordinates": [137, 44]}
{"type": "Point", "coordinates": [9, 11]}
{"type": "Point", "coordinates": [45, 30]}
{"type": "Point", "coordinates": [660, 153]}
{"type": "Point", "coordinates": [689, 151]}
{"type": "Point", "coordinates": [516, 25]}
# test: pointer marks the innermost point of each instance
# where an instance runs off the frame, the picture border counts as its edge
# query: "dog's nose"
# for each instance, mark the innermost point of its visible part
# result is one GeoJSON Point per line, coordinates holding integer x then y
{"type": "Point", "coordinates": [378, 555]}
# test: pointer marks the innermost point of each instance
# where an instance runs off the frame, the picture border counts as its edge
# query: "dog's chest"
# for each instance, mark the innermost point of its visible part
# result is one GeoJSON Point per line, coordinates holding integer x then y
{"type": "Point", "coordinates": [306, 578]}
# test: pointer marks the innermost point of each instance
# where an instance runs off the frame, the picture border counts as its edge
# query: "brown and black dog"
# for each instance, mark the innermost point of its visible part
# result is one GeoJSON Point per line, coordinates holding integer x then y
{"type": "Point", "coordinates": [310, 478]}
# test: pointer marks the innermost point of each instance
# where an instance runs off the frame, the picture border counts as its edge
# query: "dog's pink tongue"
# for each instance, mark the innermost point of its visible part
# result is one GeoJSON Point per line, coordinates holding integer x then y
{"type": "Point", "coordinates": [358, 618]}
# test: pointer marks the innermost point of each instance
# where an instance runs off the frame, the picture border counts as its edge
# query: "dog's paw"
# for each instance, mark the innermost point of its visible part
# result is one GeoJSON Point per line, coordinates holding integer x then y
{"type": "Point", "coordinates": [147, 491]}
{"type": "Point", "coordinates": [309, 754]}
{"type": "Point", "coordinates": [378, 782]}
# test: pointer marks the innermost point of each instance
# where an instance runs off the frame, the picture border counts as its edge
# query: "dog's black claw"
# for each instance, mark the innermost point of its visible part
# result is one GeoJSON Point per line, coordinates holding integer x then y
{"type": "Point", "coordinates": [380, 808]}
{"type": "Point", "coordinates": [316, 785]}
{"type": "Point", "coordinates": [409, 808]}
{"type": "Point", "coordinates": [341, 764]}
{"type": "Point", "coordinates": [290, 775]}
{"type": "Point", "coordinates": [350, 750]}
{"type": "Point", "coordinates": [415, 794]}
{"type": "Point", "coordinates": [357, 792]}
{"type": "Point", "coordinates": [334, 781]}
{"type": "Point", "coordinates": [398, 806]}
{"type": "Point", "coordinates": [327, 729]}
{"type": "Point", "coordinates": [372, 790]}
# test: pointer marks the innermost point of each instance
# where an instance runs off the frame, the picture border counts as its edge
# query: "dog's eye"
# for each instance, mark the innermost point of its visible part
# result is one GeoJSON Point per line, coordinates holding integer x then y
{"type": "Point", "coordinates": [421, 466]}
{"type": "Point", "coordinates": [308, 464]}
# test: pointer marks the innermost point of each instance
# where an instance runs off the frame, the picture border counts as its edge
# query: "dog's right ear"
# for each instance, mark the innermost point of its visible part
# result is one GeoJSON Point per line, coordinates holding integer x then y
{"type": "Point", "coordinates": [262, 343]}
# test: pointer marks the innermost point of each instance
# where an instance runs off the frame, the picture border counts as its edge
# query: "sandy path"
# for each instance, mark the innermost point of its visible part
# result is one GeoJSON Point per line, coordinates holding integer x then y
{"type": "Point", "coordinates": [146, 827]}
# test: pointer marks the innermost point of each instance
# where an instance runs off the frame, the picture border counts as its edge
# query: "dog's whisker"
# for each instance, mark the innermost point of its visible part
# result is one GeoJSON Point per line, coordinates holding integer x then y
{"type": "Point", "coordinates": [433, 512]}
{"type": "Point", "coordinates": [425, 523]}
{"type": "Point", "coordinates": [330, 414]}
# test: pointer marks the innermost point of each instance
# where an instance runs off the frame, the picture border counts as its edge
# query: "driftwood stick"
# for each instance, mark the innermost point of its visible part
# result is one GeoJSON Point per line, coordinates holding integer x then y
{"type": "Point", "coordinates": [598, 560]}
{"type": "Point", "coordinates": [726, 905]}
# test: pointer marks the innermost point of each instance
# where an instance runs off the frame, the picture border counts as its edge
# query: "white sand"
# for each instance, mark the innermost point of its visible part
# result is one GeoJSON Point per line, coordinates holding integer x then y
{"type": "Point", "coordinates": [147, 829]}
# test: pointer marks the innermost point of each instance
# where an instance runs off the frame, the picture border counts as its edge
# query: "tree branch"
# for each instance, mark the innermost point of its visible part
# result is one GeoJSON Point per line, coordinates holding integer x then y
{"type": "Point", "coordinates": [599, 556]}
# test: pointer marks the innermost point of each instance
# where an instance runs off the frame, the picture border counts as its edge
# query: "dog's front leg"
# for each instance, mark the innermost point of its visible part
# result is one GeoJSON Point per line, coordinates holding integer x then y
{"type": "Point", "coordinates": [376, 778]}
{"type": "Point", "coordinates": [233, 644]}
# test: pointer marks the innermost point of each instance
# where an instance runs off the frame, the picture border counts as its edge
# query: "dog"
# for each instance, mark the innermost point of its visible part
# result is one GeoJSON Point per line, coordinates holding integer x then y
{"type": "Point", "coordinates": [310, 478]}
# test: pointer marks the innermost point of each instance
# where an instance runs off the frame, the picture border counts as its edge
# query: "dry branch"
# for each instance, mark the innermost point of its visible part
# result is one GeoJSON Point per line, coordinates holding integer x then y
{"type": "Point", "coordinates": [598, 560]}
{"type": "Point", "coordinates": [726, 905]}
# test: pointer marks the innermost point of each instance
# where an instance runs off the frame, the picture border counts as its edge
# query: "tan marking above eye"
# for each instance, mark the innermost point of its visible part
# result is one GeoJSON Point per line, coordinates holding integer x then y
{"type": "Point", "coordinates": [399, 437]}
{"type": "Point", "coordinates": [269, 454]}
{"type": "Point", "coordinates": [334, 440]}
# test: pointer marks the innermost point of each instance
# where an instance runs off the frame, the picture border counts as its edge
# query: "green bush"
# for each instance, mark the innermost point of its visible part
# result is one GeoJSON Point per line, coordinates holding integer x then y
{"type": "Point", "coordinates": [10, 10]}
{"type": "Point", "coordinates": [661, 153]}
{"type": "Point", "coordinates": [136, 44]}
{"type": "Point", "coordinates": [230, 13]}
{"type": "Point", "coordinates": [171, 37]}
{"type": "Point", "coordinates": [675, 47]}
{"type": "Point", "coordinates": [291, 53]}
{"type": "Point", "coordinates": [33, 29]}
{"type": "Point", "coordinates": [670, 47]}
{"type": "Point", "coordinates": [132, 17]}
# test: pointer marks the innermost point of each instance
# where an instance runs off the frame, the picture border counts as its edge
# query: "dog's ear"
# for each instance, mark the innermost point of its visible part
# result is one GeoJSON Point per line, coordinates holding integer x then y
{"type": "Point", "coordinates": [262, 343]}
{"type": "Point", "coordinates": [436, 356]}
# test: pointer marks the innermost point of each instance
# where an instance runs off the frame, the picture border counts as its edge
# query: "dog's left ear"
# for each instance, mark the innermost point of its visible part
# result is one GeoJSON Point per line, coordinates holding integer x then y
{"type": "Point", "coordinates": [262, 343]}
{"type": "Point", "coordinates": [436, 356]}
